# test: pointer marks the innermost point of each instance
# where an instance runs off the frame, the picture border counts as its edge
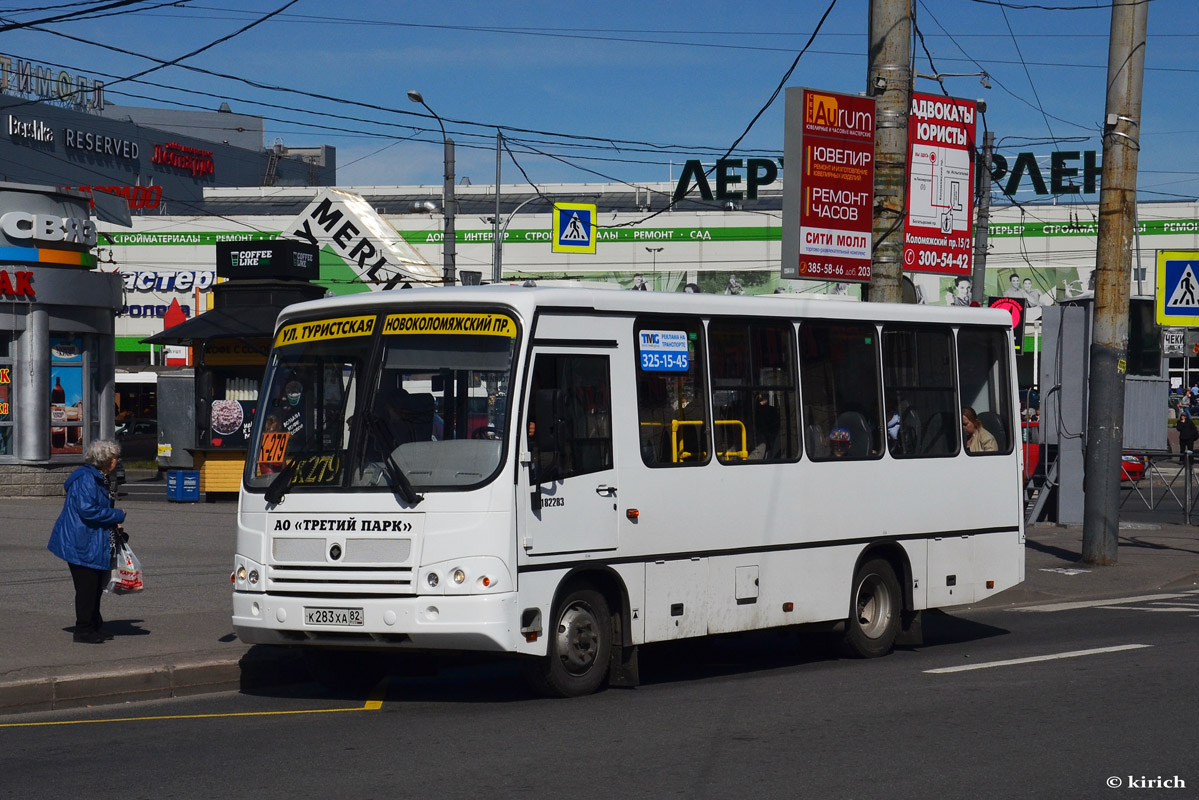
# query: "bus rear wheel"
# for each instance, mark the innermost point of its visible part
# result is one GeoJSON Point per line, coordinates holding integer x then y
{"type": "Point", "coordinates": [874, 611]}
{"type": "Point", "coordinates": [579, 647]}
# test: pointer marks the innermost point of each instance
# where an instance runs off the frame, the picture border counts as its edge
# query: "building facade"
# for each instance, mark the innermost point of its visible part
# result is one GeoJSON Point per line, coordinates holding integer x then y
{"type": "Point", "coordinates": [56, 338]}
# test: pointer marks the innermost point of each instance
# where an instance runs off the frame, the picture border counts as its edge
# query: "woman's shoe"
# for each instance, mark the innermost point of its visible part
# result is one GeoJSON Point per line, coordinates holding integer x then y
{"type": "Point", "coordinates": [92, 637]}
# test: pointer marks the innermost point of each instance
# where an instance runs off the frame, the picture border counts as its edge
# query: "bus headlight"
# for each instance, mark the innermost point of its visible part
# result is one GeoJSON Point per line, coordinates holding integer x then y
{"type": "Point", "coordinates": [247, 575]}
{"type": "Point", "coordinates": [468, 575]}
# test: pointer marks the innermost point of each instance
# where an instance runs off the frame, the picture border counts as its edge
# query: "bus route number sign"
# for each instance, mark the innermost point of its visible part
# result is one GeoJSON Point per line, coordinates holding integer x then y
{"type": "Point", "coordinates": [664, 351]}
{"type": "Point", "coordinates": [274, 448]}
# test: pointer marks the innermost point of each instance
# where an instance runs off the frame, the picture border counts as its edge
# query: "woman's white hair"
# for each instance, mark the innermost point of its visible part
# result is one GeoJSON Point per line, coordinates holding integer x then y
{"type": "Point", "coordinates": [100, 452]}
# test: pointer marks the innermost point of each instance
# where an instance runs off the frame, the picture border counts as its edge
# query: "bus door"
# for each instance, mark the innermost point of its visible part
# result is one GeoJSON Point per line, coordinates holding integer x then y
{"type": "Point", "coordinates": [569, 479]}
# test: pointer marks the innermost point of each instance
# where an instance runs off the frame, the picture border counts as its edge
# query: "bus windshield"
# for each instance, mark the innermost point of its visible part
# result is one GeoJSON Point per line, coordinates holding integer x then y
{"type": "Point", "coordinates": [405, 401]}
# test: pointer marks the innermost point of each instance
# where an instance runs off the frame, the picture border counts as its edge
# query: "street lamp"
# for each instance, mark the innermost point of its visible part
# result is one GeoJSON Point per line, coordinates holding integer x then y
{"type": "Point", "coordinates": [448, 269]}
{"type": "Point", "coordinates": [497, 270]}
{"type": "Point", "coordinates": [655, 251]}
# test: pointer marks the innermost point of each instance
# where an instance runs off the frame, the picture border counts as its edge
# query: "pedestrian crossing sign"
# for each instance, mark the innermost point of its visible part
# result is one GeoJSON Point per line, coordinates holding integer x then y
{"type": "Point", "coordinates": [574, 228]}
{"type": "Point", "coordinates": [1178, 288]}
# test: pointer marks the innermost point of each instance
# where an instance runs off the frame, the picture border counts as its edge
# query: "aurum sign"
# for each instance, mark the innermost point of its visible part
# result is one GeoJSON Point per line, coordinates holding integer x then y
{"type": "Point", "coordinates": [938, 230]}
{"type": "Point", "coordinates": [834, 150]}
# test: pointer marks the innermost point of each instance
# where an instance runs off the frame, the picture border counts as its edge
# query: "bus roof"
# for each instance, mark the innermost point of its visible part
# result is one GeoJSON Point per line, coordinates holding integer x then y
{"type": "Point", "coordinates": [525, 300]}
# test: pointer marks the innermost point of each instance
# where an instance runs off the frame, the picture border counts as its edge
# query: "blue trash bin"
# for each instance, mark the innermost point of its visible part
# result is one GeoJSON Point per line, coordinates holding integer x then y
{"type": "Point", "coordinates": [189, 485]}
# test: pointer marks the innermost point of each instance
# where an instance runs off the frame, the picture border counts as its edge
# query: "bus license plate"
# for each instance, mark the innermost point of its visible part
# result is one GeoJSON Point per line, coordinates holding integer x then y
{"type": "Point", "coordinates": [333, 616]}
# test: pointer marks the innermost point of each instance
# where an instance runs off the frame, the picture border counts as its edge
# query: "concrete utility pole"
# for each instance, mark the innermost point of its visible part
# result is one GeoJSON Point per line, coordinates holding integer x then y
{"type": "Point", "coordinates": [981, 226]}
{"type": "Point", "coordinates": [889, 82]}
{"type": "Point", "coordinates": [1109, 337]}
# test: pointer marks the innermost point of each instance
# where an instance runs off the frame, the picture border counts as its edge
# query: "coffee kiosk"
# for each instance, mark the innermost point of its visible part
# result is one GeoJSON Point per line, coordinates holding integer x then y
{"type": "Point", "coordinates": [256, 280]}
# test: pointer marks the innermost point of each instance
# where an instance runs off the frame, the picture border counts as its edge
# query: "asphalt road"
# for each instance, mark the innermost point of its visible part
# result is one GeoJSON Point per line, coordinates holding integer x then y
{"type": "Point", "coordinates": [765, 715]}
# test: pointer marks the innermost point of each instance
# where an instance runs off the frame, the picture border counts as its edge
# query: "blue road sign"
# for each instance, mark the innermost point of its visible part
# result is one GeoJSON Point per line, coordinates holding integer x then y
{"type": "Point", "coordinates": [574, 228]}
{"type": "Point", "coordinates": [1178, 288]}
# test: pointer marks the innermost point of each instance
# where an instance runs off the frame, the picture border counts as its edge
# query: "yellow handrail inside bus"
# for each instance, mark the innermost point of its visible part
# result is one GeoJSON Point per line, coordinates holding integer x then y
{"type": "Point", "coordinates": [676, 447]}
{"type": "Point", "coordinates": [743, 453]}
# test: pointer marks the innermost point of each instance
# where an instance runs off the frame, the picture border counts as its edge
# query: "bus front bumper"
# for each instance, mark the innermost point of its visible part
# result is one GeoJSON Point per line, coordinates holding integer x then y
{"type": "Point", "coordinates": [442, 622]}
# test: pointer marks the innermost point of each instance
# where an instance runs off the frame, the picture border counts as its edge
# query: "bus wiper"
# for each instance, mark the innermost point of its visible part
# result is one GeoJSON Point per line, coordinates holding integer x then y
{"type": "Point", "coordinates": [395, 475]}
{"type": "Point", "coordinates": [281, 483]}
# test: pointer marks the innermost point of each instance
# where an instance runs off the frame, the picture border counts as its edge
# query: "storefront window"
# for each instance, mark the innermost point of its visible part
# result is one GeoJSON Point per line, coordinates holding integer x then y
{"type": "Point", "coordinates": [228, 395]}
{"type": "Point", "coordinates": [66, 396]}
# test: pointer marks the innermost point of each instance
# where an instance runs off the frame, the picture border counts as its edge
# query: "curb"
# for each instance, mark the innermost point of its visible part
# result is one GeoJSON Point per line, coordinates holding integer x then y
{"type": "Point", "coordinates": [105, 688]}
{"type": "Point", "coordinates": [250, 672]}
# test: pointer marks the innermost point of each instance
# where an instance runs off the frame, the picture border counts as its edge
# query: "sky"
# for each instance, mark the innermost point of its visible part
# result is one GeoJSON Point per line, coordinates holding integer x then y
{"type": "Point", "coordinates": [610, 92]}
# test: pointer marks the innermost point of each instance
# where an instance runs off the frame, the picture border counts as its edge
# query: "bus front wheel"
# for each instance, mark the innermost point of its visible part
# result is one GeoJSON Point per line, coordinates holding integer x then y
{"type": "Point", "coordinates": [874, 612]}
{"type": "Point", "coordinates": [579, 647]}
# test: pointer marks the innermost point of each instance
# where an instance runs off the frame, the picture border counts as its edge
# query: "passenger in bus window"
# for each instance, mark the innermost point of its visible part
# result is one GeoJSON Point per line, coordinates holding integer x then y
{"type": "Point", "coordinates": [839, 442]}
{"type": "Point", "coordinates": [978, 439]}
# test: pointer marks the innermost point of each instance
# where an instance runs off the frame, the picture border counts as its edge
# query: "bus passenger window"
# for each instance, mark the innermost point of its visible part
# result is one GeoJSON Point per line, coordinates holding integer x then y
{"type": "Point", "coordinates": [982, 372]}
{"type": "Point", "coordinates": [838, 365]}
{"type": "Point", "coordinates": [672, 399]}
{"type": "Point", "coordinates": [918, 391]}
{"type": "Point", "coordinates": [753, 391]}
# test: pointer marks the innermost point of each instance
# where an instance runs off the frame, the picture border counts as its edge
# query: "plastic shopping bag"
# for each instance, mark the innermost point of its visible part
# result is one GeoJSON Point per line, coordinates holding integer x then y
{"type": "Point", "coordinates": [127, 575]}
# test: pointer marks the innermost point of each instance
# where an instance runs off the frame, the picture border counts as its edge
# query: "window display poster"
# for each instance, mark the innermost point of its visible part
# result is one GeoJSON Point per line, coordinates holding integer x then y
{"type": "Point", "coordinates": [66, 397]}
{"type": "Point", "coordinates": [5, 394]}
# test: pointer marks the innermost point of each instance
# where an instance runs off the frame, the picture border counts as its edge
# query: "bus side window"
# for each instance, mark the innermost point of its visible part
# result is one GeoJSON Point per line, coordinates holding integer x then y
{"type": "Point", "coordinates": [570, 428]}
{"type": "Point", "coordinates": [839, 377]}
{"type": "Point", "coordinates": [753, 387]}
{"type": "Point", "coordinates": [982, 371]}
{"type": "Point", "coordinates": [919, 391]}
{"type": "Point", "coordinates": [672, 397]}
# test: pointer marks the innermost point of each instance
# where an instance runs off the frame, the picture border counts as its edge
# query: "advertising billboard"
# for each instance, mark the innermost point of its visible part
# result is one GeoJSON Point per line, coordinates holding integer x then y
{"type": "Point", "coordinates": [828, 212]}
{"type": "Point", "coordinates": [939, 227]}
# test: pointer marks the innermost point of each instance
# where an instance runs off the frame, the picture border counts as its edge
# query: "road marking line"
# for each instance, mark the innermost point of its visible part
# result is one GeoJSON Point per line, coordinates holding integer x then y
{"type": "Point", "coordinates": [1098, 603]}
{"type": "Point", "coordinates": [1034, 659]}
{"type": "Point", "coordinates": [1143, 608]}
{"type": "Point", "coordinates": [373, 703]}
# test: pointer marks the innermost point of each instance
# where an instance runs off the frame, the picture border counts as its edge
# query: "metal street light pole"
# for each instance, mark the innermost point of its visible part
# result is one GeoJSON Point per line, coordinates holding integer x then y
{"type": "Point", "coordinates": [449, 272]}
{"type": "Point", "coordinates": [497, 275]}
{"type": "Point", "coordinates": [502, 233]}
{"type": "Point", "coordinates": [654, 251]}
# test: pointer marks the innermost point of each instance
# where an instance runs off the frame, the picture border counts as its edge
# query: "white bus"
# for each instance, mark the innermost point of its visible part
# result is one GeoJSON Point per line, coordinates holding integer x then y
{"type": "Point", "coordinates": [566, 474]}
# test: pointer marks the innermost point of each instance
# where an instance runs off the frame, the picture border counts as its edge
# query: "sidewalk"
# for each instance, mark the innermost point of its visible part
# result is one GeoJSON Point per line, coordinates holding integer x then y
{"type": "Point", "coordinates": [176, 637]}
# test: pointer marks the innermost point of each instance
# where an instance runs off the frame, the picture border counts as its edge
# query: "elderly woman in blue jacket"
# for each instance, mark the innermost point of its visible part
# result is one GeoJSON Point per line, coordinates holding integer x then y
{"type": "Point", "coordinates": [80, 536]}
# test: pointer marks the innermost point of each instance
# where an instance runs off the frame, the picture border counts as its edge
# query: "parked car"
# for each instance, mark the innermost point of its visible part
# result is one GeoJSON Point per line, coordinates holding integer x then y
{"type": "Point", "coordinates": [138, 438]}
{"type": "Point", "coordinates": [1132, 468]}
{"type": "Point", "coordinates": [1031, 435]}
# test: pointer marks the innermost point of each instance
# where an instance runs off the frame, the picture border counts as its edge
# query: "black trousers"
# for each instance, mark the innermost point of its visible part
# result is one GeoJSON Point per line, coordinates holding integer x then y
{"type": "Point", "coordinates": [89, 585]}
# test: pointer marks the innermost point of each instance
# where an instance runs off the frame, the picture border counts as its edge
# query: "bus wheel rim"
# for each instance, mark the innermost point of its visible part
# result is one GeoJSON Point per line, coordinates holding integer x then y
{"type": "Point", "coordinates": [873, 606]}
{"type": "Point", "coordinates": [578, 638]}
